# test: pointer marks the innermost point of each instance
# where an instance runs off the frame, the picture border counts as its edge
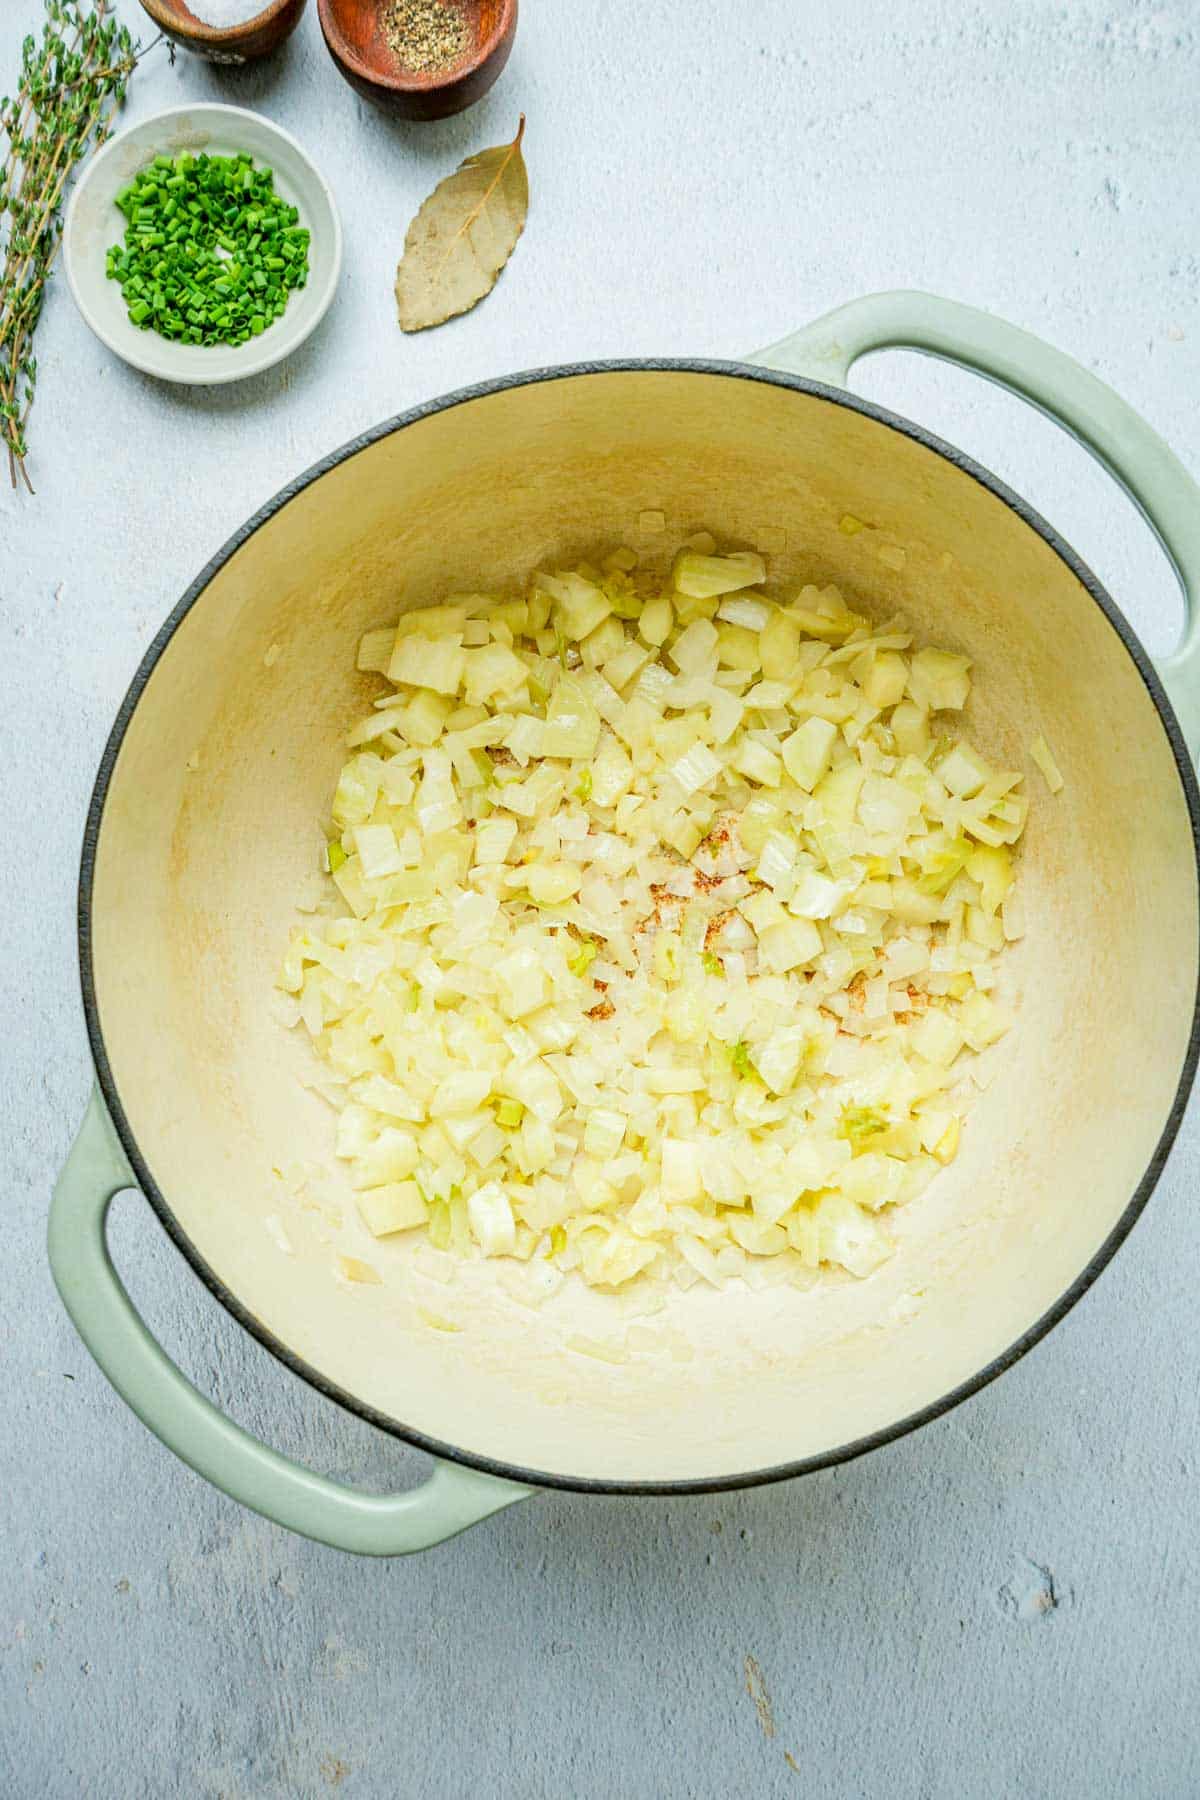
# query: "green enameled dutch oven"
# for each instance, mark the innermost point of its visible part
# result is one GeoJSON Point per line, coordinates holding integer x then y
{"type": "Point", "coordinates": [204, 825]}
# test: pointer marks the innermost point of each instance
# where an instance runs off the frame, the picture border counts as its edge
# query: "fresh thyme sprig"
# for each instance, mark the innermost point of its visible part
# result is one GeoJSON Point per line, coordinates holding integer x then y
{"type": "Point", "coordinates": [72, 81]}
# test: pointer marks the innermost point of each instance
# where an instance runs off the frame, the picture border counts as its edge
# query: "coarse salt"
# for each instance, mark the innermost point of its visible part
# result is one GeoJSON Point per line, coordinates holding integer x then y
{"type": "Point", "coordinates": [222, 14]}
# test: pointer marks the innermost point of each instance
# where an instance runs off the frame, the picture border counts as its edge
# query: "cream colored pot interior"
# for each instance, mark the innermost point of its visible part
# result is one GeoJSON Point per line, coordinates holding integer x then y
{"type": "Point", "coordinates": [212, 829]}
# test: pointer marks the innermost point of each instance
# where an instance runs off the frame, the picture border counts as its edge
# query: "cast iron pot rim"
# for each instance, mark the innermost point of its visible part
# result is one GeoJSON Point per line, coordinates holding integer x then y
{"type": "Point", "coordinates": [422, 1440]}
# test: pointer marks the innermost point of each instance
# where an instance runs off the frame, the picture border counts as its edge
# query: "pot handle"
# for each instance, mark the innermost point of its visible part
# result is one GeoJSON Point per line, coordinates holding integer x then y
{"type": "Point", "coordinates": [92, 1292]}
{"type": "Point", "coordinates": [1153, 477]}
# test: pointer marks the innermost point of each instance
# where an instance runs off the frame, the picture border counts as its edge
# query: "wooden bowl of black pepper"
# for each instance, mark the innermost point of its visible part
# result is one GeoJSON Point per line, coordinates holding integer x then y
{"type": "Point", "coordinates": [421, 59]}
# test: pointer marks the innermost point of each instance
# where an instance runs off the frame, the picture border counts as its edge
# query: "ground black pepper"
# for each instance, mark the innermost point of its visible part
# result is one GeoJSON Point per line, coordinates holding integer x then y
{"type": "Point", "coordinates": [427, 36]}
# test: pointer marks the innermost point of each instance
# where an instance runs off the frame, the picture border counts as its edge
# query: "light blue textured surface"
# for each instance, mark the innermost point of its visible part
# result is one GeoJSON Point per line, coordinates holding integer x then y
{"type": "Point", "coordinates": [1003, 1604]}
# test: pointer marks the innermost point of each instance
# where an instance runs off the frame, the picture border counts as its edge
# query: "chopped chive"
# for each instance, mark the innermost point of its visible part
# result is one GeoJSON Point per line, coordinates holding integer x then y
{"type": "Point", "coordinates": [211, 253]}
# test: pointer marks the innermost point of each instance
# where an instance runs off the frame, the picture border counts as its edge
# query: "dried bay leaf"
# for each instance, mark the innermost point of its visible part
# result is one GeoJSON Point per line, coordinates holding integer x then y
{"type": "Point", "coordinates": [463, 236]}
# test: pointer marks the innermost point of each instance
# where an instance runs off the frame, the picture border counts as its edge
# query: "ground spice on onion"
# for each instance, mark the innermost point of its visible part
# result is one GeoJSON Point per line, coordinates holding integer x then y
{"type": "Point", "coordinates": [427, 36]}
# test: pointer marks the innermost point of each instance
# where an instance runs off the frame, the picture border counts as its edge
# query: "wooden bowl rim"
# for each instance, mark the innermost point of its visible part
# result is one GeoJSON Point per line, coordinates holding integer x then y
{"type": "Point", "coordinates": [196, 31]}
{"type": "Point", "coordinates": [414, 83]}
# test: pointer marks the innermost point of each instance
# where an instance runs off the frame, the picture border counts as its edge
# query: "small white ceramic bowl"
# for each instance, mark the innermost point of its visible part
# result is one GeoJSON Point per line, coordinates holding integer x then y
{"type": "Point", "coordinates": [93, 222]}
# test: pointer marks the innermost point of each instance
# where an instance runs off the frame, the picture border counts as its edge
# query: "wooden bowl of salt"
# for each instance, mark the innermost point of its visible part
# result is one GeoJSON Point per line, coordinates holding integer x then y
{"type": "Point", "coordinates": [226, 31]}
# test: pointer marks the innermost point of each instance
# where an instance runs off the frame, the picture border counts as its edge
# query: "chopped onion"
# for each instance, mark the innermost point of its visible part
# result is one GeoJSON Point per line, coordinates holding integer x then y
{"type": "Point", "coordinates": [1043, 756]}
{"type": "Point", "coordinates": [671, 929]}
